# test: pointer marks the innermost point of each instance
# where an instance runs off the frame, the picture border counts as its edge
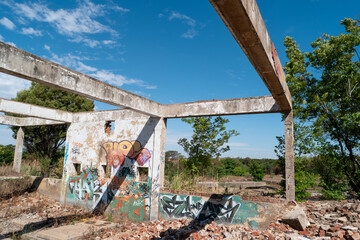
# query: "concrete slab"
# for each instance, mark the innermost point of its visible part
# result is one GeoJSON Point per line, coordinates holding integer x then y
{"type": "Point", "coordinates": [20, 223]}
{"type": "Point", "coordinates": [70, 232]}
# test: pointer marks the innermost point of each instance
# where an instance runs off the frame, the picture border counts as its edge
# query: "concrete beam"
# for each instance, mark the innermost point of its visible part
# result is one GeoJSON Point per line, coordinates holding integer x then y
{"type": "Point", "coordinates": [27, 121]}
{"type": "Point", "coordinates": [22, 64]}
{"type": "Point", "coordinates": [244, 21]}
{"type": "Point", "coordinates": [26, 109]}
{"type": "Point", "coordinates": [237, 106]}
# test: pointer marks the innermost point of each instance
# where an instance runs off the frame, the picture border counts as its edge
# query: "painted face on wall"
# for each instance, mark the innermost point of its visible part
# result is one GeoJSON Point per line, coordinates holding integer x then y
{"type": "Point", "coordinates": [116, 152]}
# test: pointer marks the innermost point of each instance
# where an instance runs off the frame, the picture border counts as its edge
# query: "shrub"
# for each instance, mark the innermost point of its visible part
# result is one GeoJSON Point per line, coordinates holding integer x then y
{"type": "Point", "coordinates": [240, 170]}
{"type": "Point", "coordinates": [257, 171]}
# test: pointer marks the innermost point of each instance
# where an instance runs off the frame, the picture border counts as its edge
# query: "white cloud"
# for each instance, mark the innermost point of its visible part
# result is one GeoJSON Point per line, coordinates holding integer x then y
{"type": "Point", "coordinates": [7, 23]}
{"type": "Point", "coordinates": [107, 42]}
{"type": "Point", "coordinates": [10, 85]}
{"type": "Point", "coordinates": [74, 23]}
{"type": "Point", "coordinates": [31, 31]}
{"type": "Point", "coordinates": [85, 68]}
{"type": "Point", "coordinates": [10, 43]}
{"type": "Point", "coordinates": [119, 80]}
{"type": "Point", "coordinates": [188, 20]}
{"type": "Point", "coordinates": [46, 47]}
{"type": "Point", "coordinates": [191, 32]}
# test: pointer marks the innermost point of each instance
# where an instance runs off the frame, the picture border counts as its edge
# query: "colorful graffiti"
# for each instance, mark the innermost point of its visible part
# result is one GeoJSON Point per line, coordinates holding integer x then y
{"type": "Point", "coordinates": [219, 208]}
{"type": "Point", "coordinates": [132, 199]}
{"type": "Point", "coordinates": [87, 186]}
{"type": "Point", "coordinates": [116, 152]}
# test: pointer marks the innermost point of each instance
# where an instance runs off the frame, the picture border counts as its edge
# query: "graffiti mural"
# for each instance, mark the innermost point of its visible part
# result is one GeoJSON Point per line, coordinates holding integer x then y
{"type": "Point", "coordinates": [116, 152]}
{"type": "Point", "coordinates": [87, 186]}
{"type": "Point", "coordinates": [219, 208]}
{"type": "Point", "coordinates": [132, 199]}
{"type": "Point", "coordinates": [121, 194]}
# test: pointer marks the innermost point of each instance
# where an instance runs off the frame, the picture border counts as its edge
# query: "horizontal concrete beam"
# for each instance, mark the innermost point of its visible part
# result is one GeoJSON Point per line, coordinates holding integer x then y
{"type": "Point", "coordinates": [244, 21]}
{"type": "Point", "coordinates": [107, 115]}
{"type": "Point", "coordinates": [22, 64]}
{"type": "Point", "coordinates": [26, 109]}
{"type": "Point", "coordinates": [237, 106]}
{"type": "Point", "coordinates": [26, 122]}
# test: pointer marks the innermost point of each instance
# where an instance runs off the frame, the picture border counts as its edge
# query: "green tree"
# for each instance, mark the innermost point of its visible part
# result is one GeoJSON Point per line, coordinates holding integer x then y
{"type": "Point", "coordinates": [47, 141]}
{"type": "Point", "coordinates": [7, 153]}
{"type": "Point", "coordinates": [208, 141]}
{"type": "Point", "coordinates": [257, 171]}
{"type": "Point", "coordinates": [325, 85]}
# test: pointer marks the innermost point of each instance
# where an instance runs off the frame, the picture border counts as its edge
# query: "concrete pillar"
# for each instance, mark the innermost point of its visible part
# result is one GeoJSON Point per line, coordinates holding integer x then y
{"type": "Point", "coordinates": [157, 167]}
{"type": "Point", "coordinates": [163, 148]}
{"type": "Point", "coordinates": [289, 157]}
{"type": "Point", "coordinates": [18, 150]}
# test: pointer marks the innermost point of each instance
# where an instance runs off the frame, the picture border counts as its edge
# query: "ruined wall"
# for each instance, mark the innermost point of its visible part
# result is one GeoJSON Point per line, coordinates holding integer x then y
{"type": "Point", "coordinates": [115, 169]}
{"type": "Point", "coordinates": [219, 208]}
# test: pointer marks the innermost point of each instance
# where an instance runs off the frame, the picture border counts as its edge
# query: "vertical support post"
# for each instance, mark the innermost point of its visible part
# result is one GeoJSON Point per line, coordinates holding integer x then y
{"type": "Point", "coordinates": [289, 157]}
{"type": "Point", "coordinates": [157, 167]}
{"type": "Point", "coordinates": [18, 150]}
{"type": "Point", "coordinates": [163, 147]}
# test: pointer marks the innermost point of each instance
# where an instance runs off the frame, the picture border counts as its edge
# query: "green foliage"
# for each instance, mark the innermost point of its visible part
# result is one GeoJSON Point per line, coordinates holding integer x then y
{"type": "Point", "coordinates": [240, 170]}
{"type": "Point", "coordinates": [7, 154]}
{"type": "Point", "coordinates": [47, 141]}
{"type": "Point", "coordinates": [325, 86]}
{"type": "Point", "coordinates": [333, 178]}
{"type": "Point", "coordinates": [207, 142]}
{"type": "Point", "coordinates": [304, 180]}
{"type": "Point", "coordinates": [257, 171]}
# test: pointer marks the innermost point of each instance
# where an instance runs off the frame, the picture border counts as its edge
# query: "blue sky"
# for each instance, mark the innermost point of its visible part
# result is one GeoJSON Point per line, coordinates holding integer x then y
{"type": "Point", "coordinates": [168, 51]}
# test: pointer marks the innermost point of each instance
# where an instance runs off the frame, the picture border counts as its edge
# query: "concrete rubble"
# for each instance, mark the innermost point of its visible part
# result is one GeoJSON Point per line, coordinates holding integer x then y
{"type": "Point", "coordinates": [46, 217]}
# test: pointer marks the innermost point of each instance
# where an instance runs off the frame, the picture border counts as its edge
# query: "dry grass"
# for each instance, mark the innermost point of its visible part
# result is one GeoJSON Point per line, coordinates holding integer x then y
{"type": "Point", "coordinates": [6, 170]}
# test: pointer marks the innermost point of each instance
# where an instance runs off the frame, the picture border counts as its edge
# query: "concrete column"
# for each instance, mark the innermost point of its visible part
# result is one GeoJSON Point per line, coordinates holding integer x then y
{"type": "Point", "coordinates": [163, 148]}
{"type": "Point", "coordinates": [18, 150]}
{"type": "Point", "coordinates": [157, 167]}
{"type": "Point", "coordinates": [289, 157]}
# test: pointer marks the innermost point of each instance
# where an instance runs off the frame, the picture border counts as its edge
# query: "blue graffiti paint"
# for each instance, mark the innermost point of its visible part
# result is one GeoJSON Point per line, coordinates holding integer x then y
{"type": "Point", "coordinates": [66, 153]}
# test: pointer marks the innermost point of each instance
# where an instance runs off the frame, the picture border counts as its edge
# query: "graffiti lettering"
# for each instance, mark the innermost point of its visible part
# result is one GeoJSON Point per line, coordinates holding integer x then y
{"type": "Point", "coordinates": [87, 186]}
{"type": "Point", "coordinates": [226, 209]}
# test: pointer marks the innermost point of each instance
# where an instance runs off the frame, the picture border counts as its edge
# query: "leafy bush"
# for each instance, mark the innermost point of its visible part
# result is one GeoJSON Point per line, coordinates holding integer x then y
{"type": "Point", "coordinates": [304, 180]}
{"type": "Point", "coordinates": [257, 171]}
{"type": "Point", "coordinates": [334, 182]}
{"type": "Point", "coordinates": [7, 154]}
{"type": "Point", "coordinates": [240, 170]}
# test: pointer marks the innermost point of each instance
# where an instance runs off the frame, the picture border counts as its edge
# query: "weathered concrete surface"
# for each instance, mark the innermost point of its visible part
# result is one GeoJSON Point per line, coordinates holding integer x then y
{"type": "Point", "coordinates": [22, 64]}
{"type": "Point", "coordinates": [18, 150]}
{"type": "Point", "coordinates": [26, 109]}
{"type": "Point", "coordinates": [20, 223]}
{"type": "Point", "coordinates": [289, 157]}
{"type": "Point", "coordinates": [70, 232]}
{"type": "Point", "coordinates": [233, 185]}
{"type": "Point", "coordinates": [244, 21]}
{"type": "Point", "coordinates": [237, 106]}
{"type": "Point", "coordinates": [113, 159]}
{"type": "Point", "coordinates": [50, 187]}
{"type": "Point", "coordinates": [296, 218]}
{"type": "Point", "coordinates": [28, 121]}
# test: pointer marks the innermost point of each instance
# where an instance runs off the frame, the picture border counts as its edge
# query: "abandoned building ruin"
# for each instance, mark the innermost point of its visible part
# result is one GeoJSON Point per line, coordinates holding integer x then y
{"type": "Point", "coordinates": [101, 167]}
